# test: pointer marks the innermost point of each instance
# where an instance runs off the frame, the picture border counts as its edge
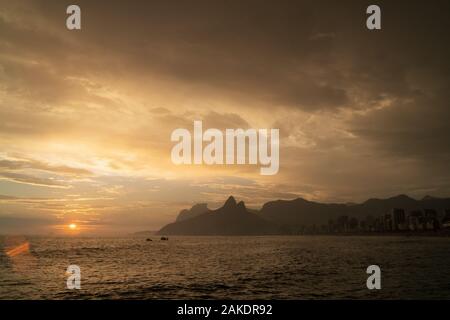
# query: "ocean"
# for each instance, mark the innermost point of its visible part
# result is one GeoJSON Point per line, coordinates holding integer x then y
{"type": "Point", "coordinates": [269, 267]}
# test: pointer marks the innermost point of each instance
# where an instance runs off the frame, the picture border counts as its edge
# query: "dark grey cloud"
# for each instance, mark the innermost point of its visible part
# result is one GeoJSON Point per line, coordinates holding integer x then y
{"type": "Point", "coordinates": [308, 56]}
{"type": "Point", "coordinates": [415, 128]}
{"type": "Point", "coordinates": [252, 49]}
{"type": "Point", "coordinates": [298, 54]}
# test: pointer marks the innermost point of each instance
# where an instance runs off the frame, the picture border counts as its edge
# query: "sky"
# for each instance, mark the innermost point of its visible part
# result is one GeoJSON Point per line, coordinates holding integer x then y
{"type": "Point", "coordinates": [86, 115]}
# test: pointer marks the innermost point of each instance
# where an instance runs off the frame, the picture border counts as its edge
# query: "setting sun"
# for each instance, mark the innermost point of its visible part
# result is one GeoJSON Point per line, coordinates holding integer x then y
{"type": "Point", "coordinates": [72, 226]}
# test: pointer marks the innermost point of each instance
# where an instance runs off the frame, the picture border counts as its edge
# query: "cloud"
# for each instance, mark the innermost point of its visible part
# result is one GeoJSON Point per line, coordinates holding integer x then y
{"type": "Point", "coordinates": [24, 224]}
{"type": "Point", "coordinates": [34, 164]}
{"type": "Point", "coordinates": [6, 221]}
{"type": "Point", "coordinates": [414, 128]}
{"type": "Point", "coordinates": [27, 179]}
{"type": "Point", "coordinates": [2, 197]}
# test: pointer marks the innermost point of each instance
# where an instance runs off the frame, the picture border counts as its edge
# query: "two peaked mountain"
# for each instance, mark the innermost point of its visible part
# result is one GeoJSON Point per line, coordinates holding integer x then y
{"type": "Point", "coordinates": [231, 219]}
{"type": "Point", "coordinates": [284, 216]}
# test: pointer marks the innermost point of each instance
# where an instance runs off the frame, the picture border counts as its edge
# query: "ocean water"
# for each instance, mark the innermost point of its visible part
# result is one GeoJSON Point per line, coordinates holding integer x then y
{"type": "Point", "coordinates": [277, 267]}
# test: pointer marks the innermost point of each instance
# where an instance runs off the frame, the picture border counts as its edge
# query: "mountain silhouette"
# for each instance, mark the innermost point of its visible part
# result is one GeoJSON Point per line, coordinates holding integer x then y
{"type": "Point", "coordinates": [196, 210]}
{"type": "Point", "coordinates": [300, 212]}
{"type": "Point", "coordinates": [282, 216]}
{"type": "Point", "coordinates": [231, 219]}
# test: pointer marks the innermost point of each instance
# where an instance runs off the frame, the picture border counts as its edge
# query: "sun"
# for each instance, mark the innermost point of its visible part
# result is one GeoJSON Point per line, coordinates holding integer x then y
{"type": "Point", "coordinates": [72, 226]}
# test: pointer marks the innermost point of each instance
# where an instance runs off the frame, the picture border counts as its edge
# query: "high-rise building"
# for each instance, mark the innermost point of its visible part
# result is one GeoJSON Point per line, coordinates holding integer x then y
{"type": "Point", "coordinates": [431, 219]}
{"type": "Point", "coordinates": [388, 223]}
{"type": "Point", "coordinates": [446, 220]}
{"type": "Point", "coordinates": [413, 220]}
{"type": "Point", "coordinates": [398, 219]}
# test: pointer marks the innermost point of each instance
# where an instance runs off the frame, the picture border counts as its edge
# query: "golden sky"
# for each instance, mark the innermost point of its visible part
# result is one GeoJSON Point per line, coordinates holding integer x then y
{"type": "Point", "coordinates": [86, 116]}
